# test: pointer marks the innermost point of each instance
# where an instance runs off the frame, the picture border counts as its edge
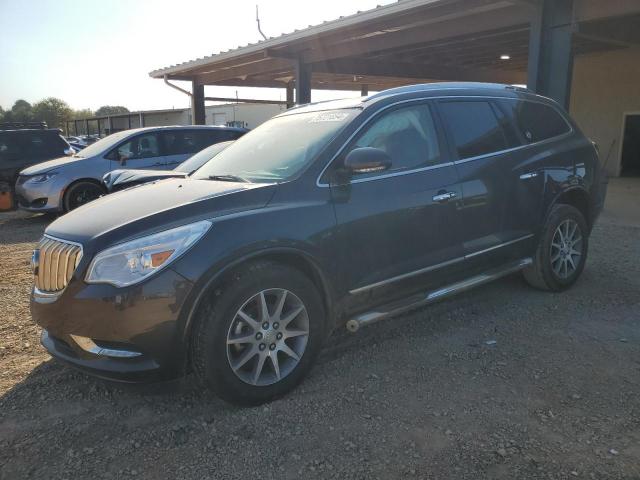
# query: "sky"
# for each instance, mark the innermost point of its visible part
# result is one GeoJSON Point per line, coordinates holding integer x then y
{"type": "Point", "coordinates": [100, 52]}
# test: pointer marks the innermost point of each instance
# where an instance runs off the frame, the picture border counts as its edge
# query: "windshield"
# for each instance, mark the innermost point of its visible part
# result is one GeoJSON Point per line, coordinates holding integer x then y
{"type": "Point", "coordinates": [103, 145]}
{"type": "Point", "coordinates": [203, 156]}
{"type": "Point", "coordinates": [279, 148]}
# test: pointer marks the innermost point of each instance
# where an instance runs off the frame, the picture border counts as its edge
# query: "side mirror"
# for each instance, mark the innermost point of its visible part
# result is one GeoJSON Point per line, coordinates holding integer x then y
{"type": "Point", "coordinates": [367, 160]}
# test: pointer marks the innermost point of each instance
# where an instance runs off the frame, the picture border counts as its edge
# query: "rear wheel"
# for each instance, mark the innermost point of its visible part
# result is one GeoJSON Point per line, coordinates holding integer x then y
{"type": "Point", "coordinates": [80, 193]}
{"type": "Point", "coordinates": [256, 339]}
{"type": "Point", "coordinates": [562, 250]}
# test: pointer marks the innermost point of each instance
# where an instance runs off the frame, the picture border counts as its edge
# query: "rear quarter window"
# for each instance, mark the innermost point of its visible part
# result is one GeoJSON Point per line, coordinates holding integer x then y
{"type": "Point", "coordinates": [537, 121]}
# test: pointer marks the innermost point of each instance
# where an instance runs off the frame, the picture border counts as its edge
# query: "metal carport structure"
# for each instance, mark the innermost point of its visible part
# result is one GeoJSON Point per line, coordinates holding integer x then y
{"type": "Point", "coordinates": [413, 41]}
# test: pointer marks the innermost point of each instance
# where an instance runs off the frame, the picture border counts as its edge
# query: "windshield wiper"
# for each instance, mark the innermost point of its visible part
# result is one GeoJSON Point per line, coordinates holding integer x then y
{"type": "Point", "coordinates": [228, 178]}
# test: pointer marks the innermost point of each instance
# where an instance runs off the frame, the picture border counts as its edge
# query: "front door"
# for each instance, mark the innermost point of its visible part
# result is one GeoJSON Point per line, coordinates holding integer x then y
{"type": "Point", "coordinates": [398, 225]}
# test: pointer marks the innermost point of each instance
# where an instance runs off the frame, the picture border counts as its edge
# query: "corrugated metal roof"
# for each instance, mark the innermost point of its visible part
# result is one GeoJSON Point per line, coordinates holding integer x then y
{"type": "Point", "coordinates": [327, 26]}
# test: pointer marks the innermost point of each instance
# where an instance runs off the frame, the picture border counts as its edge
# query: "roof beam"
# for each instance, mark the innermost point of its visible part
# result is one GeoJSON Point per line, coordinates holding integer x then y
{"type": "Point", "coordinates": [361, 67]}
{"type": "Point", "coordinates": [268, 65]}
{"type": "Point", "coordinates": [493, 20]}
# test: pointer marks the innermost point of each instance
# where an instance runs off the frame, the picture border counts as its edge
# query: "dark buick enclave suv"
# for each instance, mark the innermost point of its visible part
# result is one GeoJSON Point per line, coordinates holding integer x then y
{"type": "Point", "coordinates": [337, 213]}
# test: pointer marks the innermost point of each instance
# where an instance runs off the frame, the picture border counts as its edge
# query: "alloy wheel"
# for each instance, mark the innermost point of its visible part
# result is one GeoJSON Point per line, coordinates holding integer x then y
{"type": "Point", "coordinates": [267, 337]}
{"type": "Point", "coordinates": [566, 249]}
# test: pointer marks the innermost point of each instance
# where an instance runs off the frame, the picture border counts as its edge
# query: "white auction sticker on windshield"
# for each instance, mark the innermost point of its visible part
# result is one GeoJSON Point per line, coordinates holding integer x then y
{"type": "Point", "coordinates": [329, 117]}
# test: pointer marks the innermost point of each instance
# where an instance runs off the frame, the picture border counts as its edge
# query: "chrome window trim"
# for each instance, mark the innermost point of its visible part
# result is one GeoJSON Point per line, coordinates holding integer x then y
{"type": "Point", "coordinates": [453, 261]}
{"type": "Point", "coordinates": [453, 162]}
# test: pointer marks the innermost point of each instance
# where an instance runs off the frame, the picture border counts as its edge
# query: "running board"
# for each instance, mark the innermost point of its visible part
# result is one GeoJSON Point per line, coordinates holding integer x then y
{"type": "Point", "coordinates": [420, 300]}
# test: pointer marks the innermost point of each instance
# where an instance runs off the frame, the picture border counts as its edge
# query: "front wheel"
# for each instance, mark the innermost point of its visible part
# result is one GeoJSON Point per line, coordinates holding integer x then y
{"type": "Point", "coordinates": [562, 250]}
{"type": "Point", "coordinates": [255, 339]}
{"type": "Point", "coordinates": [80, 193]}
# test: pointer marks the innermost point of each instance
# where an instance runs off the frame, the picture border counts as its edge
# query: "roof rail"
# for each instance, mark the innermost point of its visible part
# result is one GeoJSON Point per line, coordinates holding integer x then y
{"type": "Point", "coordinates": [422, 87]}
{"type": "Point", "coordinates": [23, 125]}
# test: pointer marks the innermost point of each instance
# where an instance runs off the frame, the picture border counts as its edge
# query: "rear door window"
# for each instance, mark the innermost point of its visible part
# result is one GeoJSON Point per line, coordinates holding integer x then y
{"type": "Point", "coordinates": [474, 128]}
{"type": "Point", "coordinates": [537, 121]}
{"type": "Point", "coordinates": [180, 142]}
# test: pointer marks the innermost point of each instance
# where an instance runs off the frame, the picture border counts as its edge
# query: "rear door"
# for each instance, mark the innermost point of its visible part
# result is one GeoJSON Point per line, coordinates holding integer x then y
{"type": "Point", "coordinates": [182, 144]}
{"type": "Point", "coordinates": [483, 142]}
{"type": "Point", "coordinates": [398, 226]}
{"type": "Point", "coordinates": [541, 163]}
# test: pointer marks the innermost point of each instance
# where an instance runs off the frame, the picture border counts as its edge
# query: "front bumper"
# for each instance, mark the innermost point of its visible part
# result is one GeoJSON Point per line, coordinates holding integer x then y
{"type": "Point", "coordinates": [38, 197]}
{"type": "Point", "coordinates": [136, 331]}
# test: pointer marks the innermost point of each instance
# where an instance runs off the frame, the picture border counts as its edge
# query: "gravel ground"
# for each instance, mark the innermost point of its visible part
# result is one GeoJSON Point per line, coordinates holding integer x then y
{"type": "Point", "coordinates": [501, 382]}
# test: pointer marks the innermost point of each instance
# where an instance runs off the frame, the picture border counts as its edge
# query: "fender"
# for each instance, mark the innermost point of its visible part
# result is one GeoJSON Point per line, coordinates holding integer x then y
{"type": "Point", "coordinates": [214, 274]}
{"type": "Point", "coordinates": [578, 189]}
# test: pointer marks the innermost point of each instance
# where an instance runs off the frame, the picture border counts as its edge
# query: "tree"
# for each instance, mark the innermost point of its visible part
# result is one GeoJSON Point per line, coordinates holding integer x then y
{"type": "Point", "coordinates": [82, 114]}
{"type": "Point", "coordinates": [108, 110]}
{"type": "Point", "coordinates": [1, 114]}
{"type": "Point", "coordinates": [20, 112]}
{"type": "Point", "coordinates": [53, 111]}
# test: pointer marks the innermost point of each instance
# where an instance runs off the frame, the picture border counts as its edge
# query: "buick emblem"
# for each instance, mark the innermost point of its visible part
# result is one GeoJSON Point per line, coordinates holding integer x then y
{"type": "Point", "coordinates": [35, 261]}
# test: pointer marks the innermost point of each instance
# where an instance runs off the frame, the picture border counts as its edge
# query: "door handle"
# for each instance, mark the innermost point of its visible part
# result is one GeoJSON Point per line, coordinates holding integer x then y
{"type": "Point", "coordinates": [444, 197]}
{"type": "Point", "coordinates": [527, 176]}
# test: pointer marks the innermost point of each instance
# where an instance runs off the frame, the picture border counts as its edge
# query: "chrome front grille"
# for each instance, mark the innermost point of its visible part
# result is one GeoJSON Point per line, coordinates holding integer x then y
{"type": "Point", "coordinates": [57, 261]}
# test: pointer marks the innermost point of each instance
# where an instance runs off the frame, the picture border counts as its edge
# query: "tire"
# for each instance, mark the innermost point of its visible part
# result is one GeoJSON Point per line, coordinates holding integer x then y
{"type": "Point", "coordinates": [80, 193]}
{"type": "Point", "coordinates": [220, 321]}
{"type": "Point", "coordinates": [555, 266]}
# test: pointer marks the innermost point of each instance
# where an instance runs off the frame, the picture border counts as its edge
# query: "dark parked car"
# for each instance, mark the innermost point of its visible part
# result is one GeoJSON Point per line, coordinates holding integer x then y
{"type": "Point", "coordinates": [22, 148]}
{"type": "Point", "coordinates": [330, 214]}
{"type": "Point", "coordinates": [117, 180]}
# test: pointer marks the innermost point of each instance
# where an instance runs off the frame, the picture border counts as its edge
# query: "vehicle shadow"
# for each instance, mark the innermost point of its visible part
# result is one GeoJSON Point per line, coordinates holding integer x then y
{"type": "Point", "coordinates": [20, 226]}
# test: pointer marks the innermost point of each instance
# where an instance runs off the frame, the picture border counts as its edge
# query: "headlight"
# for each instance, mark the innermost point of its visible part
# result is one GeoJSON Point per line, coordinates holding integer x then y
{"type": "Point", "coordinates": [41, 178]}
{"type": "Point", "coordinates": [132, 262]}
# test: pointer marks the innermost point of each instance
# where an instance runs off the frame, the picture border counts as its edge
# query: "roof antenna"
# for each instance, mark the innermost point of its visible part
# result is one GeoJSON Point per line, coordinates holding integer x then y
{"type": "Point", "coordinates": [258, 22]}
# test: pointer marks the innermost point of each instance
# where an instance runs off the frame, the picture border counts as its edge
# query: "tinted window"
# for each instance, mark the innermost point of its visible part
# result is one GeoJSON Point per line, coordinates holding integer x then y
{"type": "Point", "coordinates": [537, 122]}
{"type": "Point", "coordinates": [474, 128]}
{"type": "Point", "coordinates": [408, 135]}
{"type": "Point", "coordinates": [10, 148]}
{"type": "Point", "coordinates": [142, 146]}
{"type": "Point", "coordinates": [180, 142]}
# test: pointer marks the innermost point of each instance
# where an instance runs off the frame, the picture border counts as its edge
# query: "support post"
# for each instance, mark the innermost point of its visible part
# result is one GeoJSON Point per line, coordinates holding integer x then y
{"type": "Point", "coordinates": [303, 82]}
{"type": "Point", "coordinates": [550, 68]}
{"type": "Point", "coordinates": [86, 126]}
{"type": "Point", "coordinates": [290, 98]}
{"type": "Point", "coordinates": [197, 104]}
{"type": "Point", "coordinates": [129, 118]}
{"type": "Point", "coordinates": [110, 124]}
{"type": "Point", "coordinates": [364, 90]}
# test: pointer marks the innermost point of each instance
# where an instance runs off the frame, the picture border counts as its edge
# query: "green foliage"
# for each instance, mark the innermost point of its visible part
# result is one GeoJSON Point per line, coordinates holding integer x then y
{"type": "Point", "coordinates": [82, 114]}
{"type": "Point", "coordinates": [107, 110]}
{"type": "Point", "coordinates": [53, 111]}
{"type": "Point", "coordinates": [20, 112]}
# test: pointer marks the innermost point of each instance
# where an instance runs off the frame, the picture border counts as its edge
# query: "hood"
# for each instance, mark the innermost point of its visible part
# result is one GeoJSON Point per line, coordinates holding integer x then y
{"type": "Point", "coordinates": [118, 178]}
{"type": "Point", "coordinates": [155, 207]}
{"type": "Point", "coordinates": [44, 167]}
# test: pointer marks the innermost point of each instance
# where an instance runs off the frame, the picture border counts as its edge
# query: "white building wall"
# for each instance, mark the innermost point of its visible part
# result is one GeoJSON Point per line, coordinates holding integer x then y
{"type": "Point", "coordinates": [605, 86]}
{"type": "Point", "coordinates": [251, 114]}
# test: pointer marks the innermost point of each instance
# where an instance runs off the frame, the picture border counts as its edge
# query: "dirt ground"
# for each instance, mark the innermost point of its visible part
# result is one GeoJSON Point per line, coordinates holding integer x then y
{"type": "Point", "coordinates": [501, 382]}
